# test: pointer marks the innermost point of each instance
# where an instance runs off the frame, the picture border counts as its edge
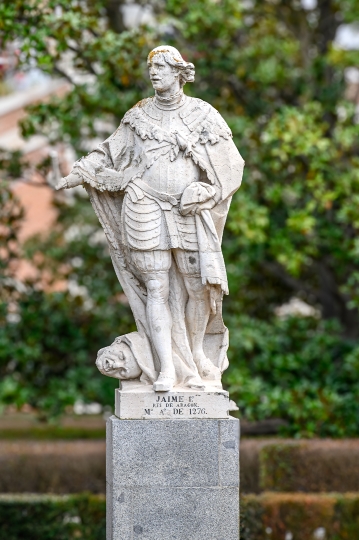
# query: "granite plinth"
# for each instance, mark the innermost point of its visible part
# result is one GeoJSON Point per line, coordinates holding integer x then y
{"type": "Point", "coordinates": [136, 401]}
{"type": "Point", "coordinates": [171, 480]}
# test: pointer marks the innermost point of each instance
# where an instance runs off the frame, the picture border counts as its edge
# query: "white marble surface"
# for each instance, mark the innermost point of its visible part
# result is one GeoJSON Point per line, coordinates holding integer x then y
{"type": "Point", "coordinates": [135, 401]}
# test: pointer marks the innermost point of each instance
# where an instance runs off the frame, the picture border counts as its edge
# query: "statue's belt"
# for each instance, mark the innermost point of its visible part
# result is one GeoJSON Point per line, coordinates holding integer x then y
{"type": "Point", "coordinates": [173, 199]}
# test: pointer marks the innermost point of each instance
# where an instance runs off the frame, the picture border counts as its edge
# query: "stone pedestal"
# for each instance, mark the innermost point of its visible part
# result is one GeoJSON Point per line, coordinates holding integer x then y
{"type": "Point", "coordinates": [173, 480]}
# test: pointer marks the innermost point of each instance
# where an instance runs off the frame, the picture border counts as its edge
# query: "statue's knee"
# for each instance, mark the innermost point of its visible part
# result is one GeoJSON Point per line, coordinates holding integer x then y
{"type": "Point", "coordinates": [200, 296]}
{"type": "Point", "coordinates": [196, 290]}
{"type": "Point", "coordinates": [157, 290]}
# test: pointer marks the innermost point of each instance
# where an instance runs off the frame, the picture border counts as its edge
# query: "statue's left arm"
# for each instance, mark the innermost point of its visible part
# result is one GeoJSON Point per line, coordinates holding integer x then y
{"type": "Point", "coordinates": [212, 148]}
{"type": "Point", "coordinates": [226, 162]}
{"type": "Point", "coordinates": [218, 157]}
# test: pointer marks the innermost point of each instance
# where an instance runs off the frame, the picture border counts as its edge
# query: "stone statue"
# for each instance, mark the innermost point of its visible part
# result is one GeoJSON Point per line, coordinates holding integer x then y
{"type": "Point", "coordinates": [161, 187]}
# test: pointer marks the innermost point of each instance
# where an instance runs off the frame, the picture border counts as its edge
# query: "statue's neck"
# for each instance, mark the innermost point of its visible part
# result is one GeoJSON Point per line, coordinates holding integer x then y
{"type": "Point", "coordinates": [170, 102]}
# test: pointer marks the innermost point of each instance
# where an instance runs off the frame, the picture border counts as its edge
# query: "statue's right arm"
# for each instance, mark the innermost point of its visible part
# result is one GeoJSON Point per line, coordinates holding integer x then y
{"type": "Point", "coordinates": [72, 180]}
{"type": "Point", "coordinates": [99, 164]}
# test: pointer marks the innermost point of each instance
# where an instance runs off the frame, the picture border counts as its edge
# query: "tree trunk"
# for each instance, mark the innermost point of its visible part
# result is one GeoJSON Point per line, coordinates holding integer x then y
{"type": "Point", "coordinates": [114, 15]}
{"type": "Point", "coordinates": [334, 305]}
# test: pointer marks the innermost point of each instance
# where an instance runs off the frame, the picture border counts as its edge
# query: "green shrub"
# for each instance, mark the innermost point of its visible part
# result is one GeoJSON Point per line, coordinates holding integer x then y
{"type": "Point", "coordinates": [307, 466]}
{"type": "Point", "coordinates": [299, 369]}
{"type": "Point", "coordinates": [49, 340]}
{"type": "Point", "coordinates": [47, 358]}
{"type": "Point", "coordinates": [50, 432]}
{"type": "Point", "coordinates": [273, 516]}
{"type": "Point", "coordinates": [263, 516]}
{"type": "Point", "coordinates": [41, 517]}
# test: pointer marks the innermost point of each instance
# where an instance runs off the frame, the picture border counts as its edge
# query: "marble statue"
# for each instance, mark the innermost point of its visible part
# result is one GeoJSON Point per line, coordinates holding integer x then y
{"type": "Point", "coordinates": [161, 187]}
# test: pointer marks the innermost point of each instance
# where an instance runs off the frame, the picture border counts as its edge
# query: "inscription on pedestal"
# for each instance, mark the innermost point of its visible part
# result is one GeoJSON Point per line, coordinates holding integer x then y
{"type": "Point", "coordinates": [179, 405]}
{"type": "Point", "coordinates": [143, 403]}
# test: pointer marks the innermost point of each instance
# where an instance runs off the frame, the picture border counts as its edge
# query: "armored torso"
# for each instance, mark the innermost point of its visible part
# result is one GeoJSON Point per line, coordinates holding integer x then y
{"type": "Point", "coordinates": [158, 151]}
{"type": "Point", "coordinates": [150, 222]}
{"type": "Point", "coordinates": [166, 175]}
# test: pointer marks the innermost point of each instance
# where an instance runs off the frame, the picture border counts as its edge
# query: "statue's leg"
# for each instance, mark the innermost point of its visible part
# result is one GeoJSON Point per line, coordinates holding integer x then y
{"type": "Point", "coordinates": [154, 267]}
{"type": "Point", "coordinates": [197, 309]}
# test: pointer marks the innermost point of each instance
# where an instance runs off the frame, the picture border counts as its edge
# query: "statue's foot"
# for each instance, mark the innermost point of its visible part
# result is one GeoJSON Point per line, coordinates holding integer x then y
{"type": "Point", "coordinates": [206, 368]}
{"type": "Point", "coordinates": [195, 382]}
{"type": "Point", "coordinates": [164, 383]}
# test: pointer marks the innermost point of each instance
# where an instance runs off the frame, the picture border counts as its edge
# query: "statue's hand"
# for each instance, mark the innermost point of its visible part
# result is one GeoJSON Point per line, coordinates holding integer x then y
{"type": "Point", "coordinates": [72, 180]}
{"type": "Point", "coordinates": [206, 205]}
{"type": "Point", "coordinates": [196, 197]}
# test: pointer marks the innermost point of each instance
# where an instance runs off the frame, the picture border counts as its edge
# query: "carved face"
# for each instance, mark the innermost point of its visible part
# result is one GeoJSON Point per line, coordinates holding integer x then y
{"type": "Point", "coordinates": [118, 361]}
{"type": "Point", "coordinates": [163, 76]}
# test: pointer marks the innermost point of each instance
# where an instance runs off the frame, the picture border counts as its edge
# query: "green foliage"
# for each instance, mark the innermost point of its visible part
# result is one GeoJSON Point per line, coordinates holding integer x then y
{"type": "Point", "coordinates": [298, 513]}
{"type": "Point", "coordinates": [273, 71]}
{"type": "Point", "coordinates": [50, 517]}
{"type": "Point", "coordinates": [40, 517]}
{"type": "Point", "coordinates": [49, 432]}
{"type": "Point", "coordinates": [289, 466]}
{"type": "Point", "coordinates": [49, 340]}
{"type": "Point", "coordinates": [298, 369]}
{"type": "Point", "coordinates": [113, 64]}
{"type": "Point", "coordinates": [11, 215]}
{"type": "Point", "coordinates": [47, 358]}
{"type": "Point", "coordinates": [11, 164]}
{"type": "Point", "coordinates": [277, 467]}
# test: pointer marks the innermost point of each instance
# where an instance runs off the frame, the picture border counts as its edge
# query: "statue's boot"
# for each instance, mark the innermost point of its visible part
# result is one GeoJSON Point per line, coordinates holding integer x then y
{"type": "Point", "coordinates": [164, 383]}
{"type": "Point", "coordinates": [207, 369]}
{"type": "Point", "coordinates": [195, 382]}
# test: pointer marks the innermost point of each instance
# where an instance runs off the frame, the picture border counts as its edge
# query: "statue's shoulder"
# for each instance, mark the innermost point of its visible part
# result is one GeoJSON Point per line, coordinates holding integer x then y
{"type": "Point", "coordinates": [136, 110]}
{"type": "Point", "coordinates": [200, 113]}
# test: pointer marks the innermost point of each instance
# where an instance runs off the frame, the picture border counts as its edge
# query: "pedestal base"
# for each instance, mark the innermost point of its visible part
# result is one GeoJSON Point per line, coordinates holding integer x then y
{"type": "Point", "coordinates": [170, 480]}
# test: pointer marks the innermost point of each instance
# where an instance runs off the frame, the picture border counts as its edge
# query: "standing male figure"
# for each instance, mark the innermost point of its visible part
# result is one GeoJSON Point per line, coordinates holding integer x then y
{"type": "Point", "coordinates": [161, 186]}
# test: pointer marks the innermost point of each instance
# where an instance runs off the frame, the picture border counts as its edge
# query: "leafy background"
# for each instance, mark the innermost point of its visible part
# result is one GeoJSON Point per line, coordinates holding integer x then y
{"type": "Point", "coordinates": [274, 72]}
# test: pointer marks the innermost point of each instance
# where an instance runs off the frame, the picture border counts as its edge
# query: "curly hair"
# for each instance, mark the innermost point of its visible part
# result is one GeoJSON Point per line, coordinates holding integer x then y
{"type": "Point", "coordinates": [173, 57]}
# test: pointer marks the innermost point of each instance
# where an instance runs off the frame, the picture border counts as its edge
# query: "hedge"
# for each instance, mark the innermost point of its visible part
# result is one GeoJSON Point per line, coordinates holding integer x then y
{"type": "Point", "coordinates": [57, 467]}
{"type": "Point", "coordinates": [45, 517]}
{"type": "Point", "coordinates": [309, 466]}
{"type": "Point", "coordinates": [300, 516]}
{"type": "Point", "coordinates": [75, 466]}
{"type": "Point", "coordinates": [269, 516]}
{"type": "Point", "coordinates": [49, 433]}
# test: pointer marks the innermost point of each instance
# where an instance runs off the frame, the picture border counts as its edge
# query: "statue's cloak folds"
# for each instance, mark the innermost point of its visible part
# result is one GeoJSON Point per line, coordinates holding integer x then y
{"type": "Point", "coordinates": [117, 163]}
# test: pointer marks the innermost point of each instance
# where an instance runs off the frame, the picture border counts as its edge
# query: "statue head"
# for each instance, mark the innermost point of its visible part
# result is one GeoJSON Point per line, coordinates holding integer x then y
{"type": "Point", "coordinates": [168, 69]}
{"type": "Point", "coordinates": [118, 361]}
